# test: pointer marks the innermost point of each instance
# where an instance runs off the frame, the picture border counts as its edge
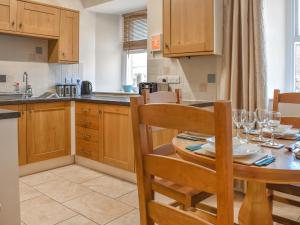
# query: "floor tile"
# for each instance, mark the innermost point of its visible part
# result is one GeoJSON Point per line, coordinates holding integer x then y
{"type": "Point", "coordinates": [76, 174]}
{"type": "Point", "coordinates": [62, 190]}
{"type": "Point", "coordinates": [132, 218]}
{"type": "Point", "coordinates": [77, 220]}
{"type": "Point", "coordinates": [131, 199]}
{"type": "Point", "coordinates": [39, 178]}
{"type": "Point", "coordinates": [98, 208]}
{"type": "Point", "coordinates": [27, 192]}
{"type": "Point", "coordinates": [110, 186]}
{"type": "Point", "coordinates": [44, 211]}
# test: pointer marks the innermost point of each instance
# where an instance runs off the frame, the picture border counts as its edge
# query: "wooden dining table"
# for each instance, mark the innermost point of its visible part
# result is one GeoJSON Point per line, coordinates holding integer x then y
{"type": "Point", "coordinates": [256, 208]}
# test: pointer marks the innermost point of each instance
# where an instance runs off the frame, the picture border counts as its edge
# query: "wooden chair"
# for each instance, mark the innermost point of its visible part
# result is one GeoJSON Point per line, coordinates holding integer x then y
{"type": "Point", "coordinates": [185, 196]}
{"type": "Point", "coordinates": [294, 190]}
{"type": "Point", "coordinates": [162, 136]}
{"type": "Point", "coordinates": [149, 165]}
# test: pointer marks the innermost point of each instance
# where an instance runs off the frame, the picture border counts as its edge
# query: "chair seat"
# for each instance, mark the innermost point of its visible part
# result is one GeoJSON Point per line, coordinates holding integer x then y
{"type": "Point", "coordinates": [187, 196]}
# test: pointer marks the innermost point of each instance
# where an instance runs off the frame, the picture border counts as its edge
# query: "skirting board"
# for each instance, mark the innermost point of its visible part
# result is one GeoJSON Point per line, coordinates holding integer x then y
{"type": "Point", "coordinates": [110, 170]}
{"type": "Point", "coordinates": [46, 165]}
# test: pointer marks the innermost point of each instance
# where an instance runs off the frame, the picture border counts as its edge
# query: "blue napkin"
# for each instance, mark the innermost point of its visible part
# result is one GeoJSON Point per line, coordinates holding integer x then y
{"type": "Point", "coordinates": [194, 147]}
{"type": "Point", "coordinates": [266, 161]}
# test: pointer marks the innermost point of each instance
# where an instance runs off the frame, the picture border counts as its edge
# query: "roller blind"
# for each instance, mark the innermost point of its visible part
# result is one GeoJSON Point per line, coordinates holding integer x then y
{"type": "Point", "coordinates": [135, 30]}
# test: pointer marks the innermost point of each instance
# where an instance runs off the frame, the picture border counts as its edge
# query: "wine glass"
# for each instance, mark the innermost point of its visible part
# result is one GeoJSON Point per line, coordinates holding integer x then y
{"type": "Point", "coordinates": [237, 116]}
{"type": "Point", "coordinates": [249, 120]}
{"type": "Point", "coordinates": [273, 122]}
{"type": "Point", "coordinates": [262, 116]}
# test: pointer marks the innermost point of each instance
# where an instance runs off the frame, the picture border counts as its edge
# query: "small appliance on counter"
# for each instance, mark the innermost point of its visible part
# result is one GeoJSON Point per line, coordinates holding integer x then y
{"type": "Point", "coordinates": [86, 88]}
{"type": "Point", "coordinates": [152, 87]}
{"type": "Point", "coordinates": [68, 89]}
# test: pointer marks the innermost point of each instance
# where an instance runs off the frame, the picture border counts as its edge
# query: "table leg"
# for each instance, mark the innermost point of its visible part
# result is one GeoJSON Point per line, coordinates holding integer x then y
{"type": "Point", "coordinates": [256, 208]}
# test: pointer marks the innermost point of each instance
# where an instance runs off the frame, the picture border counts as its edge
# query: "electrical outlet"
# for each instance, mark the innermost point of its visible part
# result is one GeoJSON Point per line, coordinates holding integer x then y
{"type": "Point", "coordinates": [2, 78]}
{"type": "Point", "coordinates": [173, 79]}
{"type": "Point", "coordinates": [162, 79]}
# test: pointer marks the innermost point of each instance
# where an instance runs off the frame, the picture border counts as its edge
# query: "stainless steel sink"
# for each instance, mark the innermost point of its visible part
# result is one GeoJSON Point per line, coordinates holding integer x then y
{"type": "Point", "coordinates": [10, 96]}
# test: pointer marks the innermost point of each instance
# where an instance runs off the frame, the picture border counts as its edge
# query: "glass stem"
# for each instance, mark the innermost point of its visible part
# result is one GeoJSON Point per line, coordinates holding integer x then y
{"type": "Point", "coordinates": [272, 138]}
{"type": "Point", "coordinates": [238, 133]}
{"type": "Point", "coordinates": [260, 133]}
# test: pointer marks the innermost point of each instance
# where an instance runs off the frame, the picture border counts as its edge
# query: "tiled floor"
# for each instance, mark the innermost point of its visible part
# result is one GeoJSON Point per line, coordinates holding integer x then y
{"type": "Point", "coordinates": [74, 195]}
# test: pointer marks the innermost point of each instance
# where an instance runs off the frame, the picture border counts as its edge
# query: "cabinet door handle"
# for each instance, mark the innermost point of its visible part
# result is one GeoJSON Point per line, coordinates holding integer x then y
{"type": "Point", "coordinates": [85, 110]}
{"type": "Point", "coordinates": [20, 25]}
{"type": "Point", "coordinates": [13, 23]}
{"type": "Point", "coordinates": [166, 46]}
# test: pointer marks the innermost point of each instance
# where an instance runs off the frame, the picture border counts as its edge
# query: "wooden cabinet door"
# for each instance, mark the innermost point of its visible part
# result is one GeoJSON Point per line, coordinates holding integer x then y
{"type": "Point", "coordinates": [21, 131]}
{"type": "Point", "coordinates": [8, 14]}
{"type": "Point", "coordinates": [48, 131]}
{"type": "Point", "coordinates": [38, 19]}
{"type": "Point", "coordinates": [188, 26]}
{"type": "Point", "coordinates": [69, 36]}
{"type": "Point", "coordinates": [117, 149]}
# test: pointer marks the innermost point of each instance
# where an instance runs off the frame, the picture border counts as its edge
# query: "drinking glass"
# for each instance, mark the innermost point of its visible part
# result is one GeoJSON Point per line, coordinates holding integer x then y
{"type": "Point", "coordinates": [262, 116]}
{"type": "Point", "coordinates": [273, 122]}
{"type": "Point", "coordinates": [249, 120]}
{"type": "Point", "coordinates": [237, 116]}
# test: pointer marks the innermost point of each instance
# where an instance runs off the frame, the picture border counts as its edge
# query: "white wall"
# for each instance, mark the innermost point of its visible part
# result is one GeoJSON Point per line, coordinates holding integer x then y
{"type": "Point", "coordinates": [109, 52]}
{"type": "Point", "coordinates": [193, 72]}
{"type": "Point", "coordinates": [19, 55]}
{"type": "Point", "coordinates": [276, 26]}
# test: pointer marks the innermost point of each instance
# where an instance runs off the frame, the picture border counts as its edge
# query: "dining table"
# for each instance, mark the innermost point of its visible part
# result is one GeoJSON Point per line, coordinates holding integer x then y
{"type": "Point", "coordinates": [256, 208]}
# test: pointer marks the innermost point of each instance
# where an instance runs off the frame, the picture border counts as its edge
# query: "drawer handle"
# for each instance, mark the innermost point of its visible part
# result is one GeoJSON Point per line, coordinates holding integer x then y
{"type": "Point", "coordinates": [85, 110]}
{"type": "Point", "coordinates": [86, 137]}
{"type": "Point", "coordinates": [87, 124]}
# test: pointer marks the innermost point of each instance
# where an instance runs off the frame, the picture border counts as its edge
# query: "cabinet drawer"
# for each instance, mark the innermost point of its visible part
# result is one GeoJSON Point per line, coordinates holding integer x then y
{"type": "Point", "coordinates": [116, 109]}
{"type": "Point", "coordinates": [90, 122]}
{"type": "Point", "coordinates": [86, 134]}
{"type": "Point", "coordinates": [87, 109]}
{"type": "Point", "coordinates": [87, 149]}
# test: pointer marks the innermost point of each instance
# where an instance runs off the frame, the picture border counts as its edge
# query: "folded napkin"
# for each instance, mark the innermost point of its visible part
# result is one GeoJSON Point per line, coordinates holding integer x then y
{"type": "Point", "coordinates": [194, 147]}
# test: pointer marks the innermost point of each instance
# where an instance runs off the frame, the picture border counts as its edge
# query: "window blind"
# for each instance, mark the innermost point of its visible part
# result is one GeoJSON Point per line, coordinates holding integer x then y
{"type": "Point", "coordinates": [135, 30]}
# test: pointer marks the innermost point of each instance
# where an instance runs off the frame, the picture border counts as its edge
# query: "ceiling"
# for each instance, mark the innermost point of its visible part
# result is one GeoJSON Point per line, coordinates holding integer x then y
{"type": "Point", "coordinates": [115, 6]}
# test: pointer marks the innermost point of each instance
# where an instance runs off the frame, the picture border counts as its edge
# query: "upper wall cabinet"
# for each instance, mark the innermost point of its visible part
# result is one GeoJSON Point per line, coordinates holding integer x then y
{"type": "Point", "coordinates": [65, 50]}
{"type": "Point", "coordinates": [59, 25]}
{"type": "Point", "coordinates": [192, 27]}
{"type": "Point", "coordinates": [8, 9]}
{"type": "Point", "coordinates": [38, 19]}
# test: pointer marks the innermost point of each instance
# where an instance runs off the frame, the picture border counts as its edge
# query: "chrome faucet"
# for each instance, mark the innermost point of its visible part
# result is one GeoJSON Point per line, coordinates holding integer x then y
{"type": "Point", "coordinates": [25, 79]}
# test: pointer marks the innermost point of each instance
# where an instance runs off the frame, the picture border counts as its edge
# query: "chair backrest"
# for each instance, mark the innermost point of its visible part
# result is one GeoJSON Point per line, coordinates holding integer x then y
{"type": "Point", "coordinates": [149, 165]}
{"type": "Point", "coordinates": [292, 98]}
{"type": "Point", "coordinates": [162, 96]}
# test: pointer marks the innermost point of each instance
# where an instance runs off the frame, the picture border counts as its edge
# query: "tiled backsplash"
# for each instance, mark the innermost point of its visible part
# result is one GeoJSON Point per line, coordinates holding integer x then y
{"type": "Point", "coordinates": [193, 73]}
{"type": "Point", "coordinates": [42, 76]}
{"type": "Point", "coordinates": [19, 55]}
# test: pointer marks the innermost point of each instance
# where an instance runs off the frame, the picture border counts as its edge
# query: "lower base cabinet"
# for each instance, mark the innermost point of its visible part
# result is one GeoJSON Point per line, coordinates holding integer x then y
{"type": "Point", "coordinates": [104, 134]}
{"type": "Point", "coordinates": [117, 147]}
{"type": "Point", "coordinates": [48, 131]}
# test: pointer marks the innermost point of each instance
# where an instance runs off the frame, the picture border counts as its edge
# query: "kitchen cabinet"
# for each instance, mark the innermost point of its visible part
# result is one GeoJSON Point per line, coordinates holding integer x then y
{"type": "Point", "coordinates": [8, 9]}
{"type": "Point", "coordinates": [48, 131]}
{"type": "Point", "coordinates": [88, 130]}
{"type": "Point", "coordinates": [118, 147]}
{"type": "Point", "coordinates": [21, 131]}
{"type": "Point", "coordinates": [104, 134]}
{"type": "Point", "coordinates": [38, 19]}
{"type": "Point", "coordinates": [66, 49]}
{"type": "Point", "coordinates": [192, 27]}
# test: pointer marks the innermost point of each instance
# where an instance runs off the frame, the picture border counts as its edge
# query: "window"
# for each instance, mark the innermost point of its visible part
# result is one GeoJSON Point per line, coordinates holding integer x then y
{"type": "Point", "coordinates": [135, 47]}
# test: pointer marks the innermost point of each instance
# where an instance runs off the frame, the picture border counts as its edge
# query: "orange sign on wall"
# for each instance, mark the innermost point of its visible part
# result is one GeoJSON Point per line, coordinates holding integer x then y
{"type": "Point", "coordinates": [156, 43]}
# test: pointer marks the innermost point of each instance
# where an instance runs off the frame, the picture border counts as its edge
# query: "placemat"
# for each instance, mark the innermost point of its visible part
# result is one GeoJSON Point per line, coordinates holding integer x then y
{"type": "Point", "coordinates": [248, 160]}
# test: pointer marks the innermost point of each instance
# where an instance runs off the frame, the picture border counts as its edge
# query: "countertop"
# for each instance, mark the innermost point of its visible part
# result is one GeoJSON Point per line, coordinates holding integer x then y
{"type": "Point", "coordinates": [8, 114]}
{"type": "Point", "coordinates": [113, 100]}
